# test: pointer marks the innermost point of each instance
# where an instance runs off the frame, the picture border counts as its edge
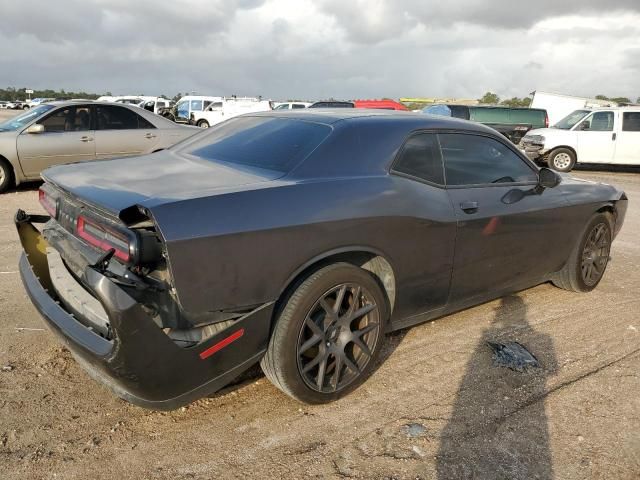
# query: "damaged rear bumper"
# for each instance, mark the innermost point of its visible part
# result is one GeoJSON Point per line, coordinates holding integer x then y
{"type": "Point", "coordinates": [140, 363]}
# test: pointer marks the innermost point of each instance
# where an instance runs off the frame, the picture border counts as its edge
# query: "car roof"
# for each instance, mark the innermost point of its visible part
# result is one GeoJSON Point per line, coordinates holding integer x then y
{"type": "Point", "coordinates": [630, 108]}
{"type": "Point", "coordinates": [413, 120]}
{"type": "Point", "coordinates": [76, 101]}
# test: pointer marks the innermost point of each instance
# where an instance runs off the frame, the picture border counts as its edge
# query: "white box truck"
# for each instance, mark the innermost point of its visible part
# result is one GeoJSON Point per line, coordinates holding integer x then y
{"type": "Point", "coordinates": [559, 106]}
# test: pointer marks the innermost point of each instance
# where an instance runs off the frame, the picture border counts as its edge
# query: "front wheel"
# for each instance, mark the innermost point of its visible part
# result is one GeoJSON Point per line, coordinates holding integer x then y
{"type": "Point", "coordinates": [6, 176]}
{"type": "Point", "coordinates": [203, 124]}
{"type": "Point", "coordinates": [589, 259]}
{"type": "Point", "coordinates": [328, 335]}
{"type": "Point", "coordinates": [562, 160]}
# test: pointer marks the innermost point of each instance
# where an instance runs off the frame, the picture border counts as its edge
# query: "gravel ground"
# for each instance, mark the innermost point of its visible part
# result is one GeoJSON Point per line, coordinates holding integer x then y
{"type": "Point", "coordinates": [437, 408]}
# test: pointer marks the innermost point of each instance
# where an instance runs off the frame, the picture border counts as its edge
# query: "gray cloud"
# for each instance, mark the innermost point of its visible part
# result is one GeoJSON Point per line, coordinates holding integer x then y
{"type": "Point", "coordinates": [305, 49]}
{"type": "Point", "coordinates": [395, 16]}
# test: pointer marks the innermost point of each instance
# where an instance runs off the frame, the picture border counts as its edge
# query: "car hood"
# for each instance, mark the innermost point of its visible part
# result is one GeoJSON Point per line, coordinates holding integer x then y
{"type": "Point", "coordinates": [151, 180]}
{"type": "Point", "coordinates": [548, 132]}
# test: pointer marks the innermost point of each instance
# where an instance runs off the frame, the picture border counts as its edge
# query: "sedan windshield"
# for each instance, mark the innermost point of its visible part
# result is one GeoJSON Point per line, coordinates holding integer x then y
{"type": "Point", "coordinates": [24, 119]}
{"type": "Point", "coordinates": [570, 120]}
{"type": "Point", "coordinates": [277, 144]}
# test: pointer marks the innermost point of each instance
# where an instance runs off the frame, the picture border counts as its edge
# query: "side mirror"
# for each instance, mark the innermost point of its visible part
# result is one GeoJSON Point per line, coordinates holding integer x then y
{"type": "Point", "coordinates": [584, 126]}
{"type": "Point", "coordinates": [36, 128]}
{"type": "Point", "coordinates": [547, 178]}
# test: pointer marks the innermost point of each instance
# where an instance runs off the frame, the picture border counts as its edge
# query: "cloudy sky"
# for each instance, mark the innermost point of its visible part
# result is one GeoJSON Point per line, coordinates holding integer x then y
{"type": "Point", "coordinates": [313, 49]}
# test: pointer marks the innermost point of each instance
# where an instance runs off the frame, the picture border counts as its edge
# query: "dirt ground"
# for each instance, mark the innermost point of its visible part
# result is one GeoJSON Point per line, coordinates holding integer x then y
{"type": "Point", "coordinates": [437, 407]}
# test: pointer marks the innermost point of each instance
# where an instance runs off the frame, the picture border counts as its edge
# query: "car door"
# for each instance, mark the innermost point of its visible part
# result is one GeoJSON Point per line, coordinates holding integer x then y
{"type": "Point", "coordinates": [596, 137]}
{"type": "Point", "coordinates": [430, 247]}
{"type": "Point", "coordinates": [68, 137]}
{"type": "Point", "coordinates": [120, 132]}
{"type": "Point", "coordinates": [628, 139]}
{"type": "Point", "coordinates": [504, 238]}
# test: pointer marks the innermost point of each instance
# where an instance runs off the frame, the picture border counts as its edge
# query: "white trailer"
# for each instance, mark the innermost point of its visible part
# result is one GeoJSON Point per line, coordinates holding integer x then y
{"type": "Point", "coordinates": [559, 106]}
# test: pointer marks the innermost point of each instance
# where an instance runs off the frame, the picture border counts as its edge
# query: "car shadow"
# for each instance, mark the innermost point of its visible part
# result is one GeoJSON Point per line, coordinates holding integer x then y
{"type": "Point", "coordinates": [498, 427]}
{"type": "Point", "coordinates": [25, 187]}
{"type": "Point", "coordinates": [607, 168]}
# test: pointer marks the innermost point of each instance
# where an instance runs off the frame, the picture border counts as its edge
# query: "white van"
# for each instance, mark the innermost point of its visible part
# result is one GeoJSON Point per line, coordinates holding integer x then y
{"type": "Point", "coordinates": [191, 104]}
{"type": "Point", "coordinates": [155, 104]}
{"type": "Point", "coordinates": [227, 108]}
{"type": "Point", "coordinates": [603, 135]}
{"type": "Point", "coordinates": [290, 105]}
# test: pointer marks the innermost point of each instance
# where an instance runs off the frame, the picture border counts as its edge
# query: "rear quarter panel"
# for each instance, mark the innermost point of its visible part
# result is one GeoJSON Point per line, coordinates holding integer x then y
{"type": "Point", "coordinates": [241, 249]}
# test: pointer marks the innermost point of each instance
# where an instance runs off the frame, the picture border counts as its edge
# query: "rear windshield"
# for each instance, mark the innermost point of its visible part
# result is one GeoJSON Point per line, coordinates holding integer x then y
{"type": "Point", "coordinates": [489, 115]}
{"type": "Point", "coordinates": [530, 116]}
{"type": "Point", "coordinates": [265, 142]}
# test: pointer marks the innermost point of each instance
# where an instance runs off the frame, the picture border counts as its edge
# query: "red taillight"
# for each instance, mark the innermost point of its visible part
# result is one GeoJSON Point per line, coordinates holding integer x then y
{"type": "Point", "coordinates": [103, 238]}
{"type": "Point", "coordinates": [49, 204]}
{"type": "Point", "coordinates": [546, 120]}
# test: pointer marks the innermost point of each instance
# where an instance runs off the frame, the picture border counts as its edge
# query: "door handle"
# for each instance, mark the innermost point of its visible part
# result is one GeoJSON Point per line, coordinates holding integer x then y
{"type": "Point", "coordinates": [86, 139]}
{"type": "Point", "coordinates": [149, 135]}
{"type": "Point", "coordinates": [613, 136]}
{"type": "Point", "coordinates": [469, 206]}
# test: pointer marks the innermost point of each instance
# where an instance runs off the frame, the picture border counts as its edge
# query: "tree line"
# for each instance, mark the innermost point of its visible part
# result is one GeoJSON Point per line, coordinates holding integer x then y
{"type": "Point", "coordinates": [12, 93]}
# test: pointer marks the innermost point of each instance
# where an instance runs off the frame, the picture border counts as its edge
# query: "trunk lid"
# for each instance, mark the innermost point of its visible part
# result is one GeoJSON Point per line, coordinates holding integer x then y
{"type": "Point", "coordinates": [152, 180]}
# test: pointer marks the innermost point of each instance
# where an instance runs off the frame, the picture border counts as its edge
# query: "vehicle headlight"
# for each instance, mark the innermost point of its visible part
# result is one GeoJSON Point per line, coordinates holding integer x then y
{"type": "Point", "coordinates": [535, 139]}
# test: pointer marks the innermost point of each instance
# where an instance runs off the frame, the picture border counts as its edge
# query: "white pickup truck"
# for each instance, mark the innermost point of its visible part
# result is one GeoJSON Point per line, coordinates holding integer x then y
{"type": "Point", "coordinates": [227, 108]}
{"type": "Point", "coordinates": [603, 136]}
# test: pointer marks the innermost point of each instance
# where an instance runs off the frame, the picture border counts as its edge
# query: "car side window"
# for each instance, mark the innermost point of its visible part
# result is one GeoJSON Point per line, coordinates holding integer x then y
{"type": "Point", "coordinates": [68, 119]}
{"type": "Point", "coordinates": [119, 118]}
{"type": "Point", "coordinates": [631, 122]}
{"type": "Point", "coordinates": [598, 122]}
{"type": "Point", "coordinates": [477, 160]}
{"type": "Point", "coordinates": [297, 105]}
{"type": "Point", "coordinates": [420, 157]}
{"type": "Point", "coordinates": [196, 105]}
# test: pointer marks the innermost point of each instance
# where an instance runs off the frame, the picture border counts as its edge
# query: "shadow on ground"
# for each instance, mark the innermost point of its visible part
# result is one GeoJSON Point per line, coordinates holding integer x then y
{"type": "Point", "coordinates": [498, 428]}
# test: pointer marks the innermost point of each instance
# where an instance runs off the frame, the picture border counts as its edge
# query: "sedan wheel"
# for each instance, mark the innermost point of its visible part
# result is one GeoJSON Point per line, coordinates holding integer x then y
{"type": "Point", "coordinates": [6, 176]}
{"type": "Point", "coordinates": [328, 334]}
{"type": "Point", "coordinates": [337, 338]}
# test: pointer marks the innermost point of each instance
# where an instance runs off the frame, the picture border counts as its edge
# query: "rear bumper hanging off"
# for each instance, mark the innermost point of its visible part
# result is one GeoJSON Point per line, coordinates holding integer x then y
{"type": "Point", "coordinates": [141, 364]}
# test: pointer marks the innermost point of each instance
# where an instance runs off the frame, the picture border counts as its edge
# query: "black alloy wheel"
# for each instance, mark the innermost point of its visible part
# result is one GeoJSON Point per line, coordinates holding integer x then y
{"type": "Point", "coordinates": [329, 332]}
{"type": "Point", "coordinates": [338, 337]}
{"type": "Point", "coordinates": [595, 254]}
{"type": "Point", "coordinates": [590, 256]}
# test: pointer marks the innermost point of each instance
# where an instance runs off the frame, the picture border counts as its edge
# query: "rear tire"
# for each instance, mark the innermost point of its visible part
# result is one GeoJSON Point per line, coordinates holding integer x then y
{"type": "Point", "coordinates": [562, 160]}
{"type": "Point", "coordinates": [588, 261]}
{"type": "Point", "coordinates": [6, 176]}
{"type": "Point", "coordinates": [203, 124]}
{"type": "Point", "coordinates": [328, 335]}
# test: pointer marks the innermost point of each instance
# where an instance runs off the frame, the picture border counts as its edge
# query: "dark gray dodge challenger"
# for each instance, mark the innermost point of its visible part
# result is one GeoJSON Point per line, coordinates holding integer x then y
{"type": "Point", "coordinates": [298, 240]}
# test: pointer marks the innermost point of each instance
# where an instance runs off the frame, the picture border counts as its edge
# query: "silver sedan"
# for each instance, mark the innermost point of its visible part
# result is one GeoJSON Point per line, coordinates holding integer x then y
{"type": "Point", "coordinates": [77, 131]}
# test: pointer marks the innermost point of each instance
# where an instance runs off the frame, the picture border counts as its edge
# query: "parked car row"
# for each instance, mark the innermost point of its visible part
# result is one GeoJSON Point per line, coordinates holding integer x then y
{"type": "Point", "coordinates": [14, 105]}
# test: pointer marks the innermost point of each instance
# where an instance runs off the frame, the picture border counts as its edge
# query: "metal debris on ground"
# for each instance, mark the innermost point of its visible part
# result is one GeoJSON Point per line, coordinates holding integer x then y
{"type": "Point", "coordinates": [413, 430]}
{"type": "Point", "coordinates": [513, 355]}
